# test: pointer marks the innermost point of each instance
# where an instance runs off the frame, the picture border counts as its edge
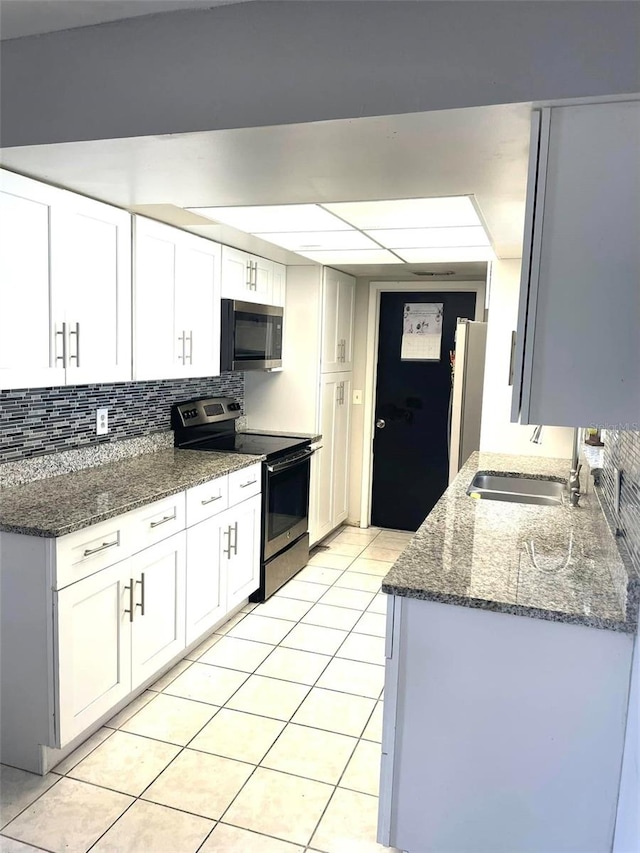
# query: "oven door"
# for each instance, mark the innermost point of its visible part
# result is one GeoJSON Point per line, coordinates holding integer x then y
{"type": "Point", "coordinates": [286, 502]}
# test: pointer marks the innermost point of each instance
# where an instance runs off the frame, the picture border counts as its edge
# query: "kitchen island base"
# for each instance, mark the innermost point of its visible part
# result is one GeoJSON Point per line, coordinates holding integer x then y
{"type": "Point", "coordinates": [501, 733]}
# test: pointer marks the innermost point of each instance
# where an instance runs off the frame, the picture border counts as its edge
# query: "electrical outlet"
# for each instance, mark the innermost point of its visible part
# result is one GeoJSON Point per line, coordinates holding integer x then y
{"type": "Point", "coordinates": [102, 421]}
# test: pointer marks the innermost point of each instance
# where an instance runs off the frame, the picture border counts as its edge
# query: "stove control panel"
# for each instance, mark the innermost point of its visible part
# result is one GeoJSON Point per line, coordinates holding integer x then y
{"type": "Point", "coordinates": [208, 410]}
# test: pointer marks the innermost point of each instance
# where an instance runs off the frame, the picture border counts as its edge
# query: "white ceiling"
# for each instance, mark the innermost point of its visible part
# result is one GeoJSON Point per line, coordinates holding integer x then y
{"type": "Point", "coordinates": [34, 17]}
{"type": "Point", "coordinates": [480, 151]}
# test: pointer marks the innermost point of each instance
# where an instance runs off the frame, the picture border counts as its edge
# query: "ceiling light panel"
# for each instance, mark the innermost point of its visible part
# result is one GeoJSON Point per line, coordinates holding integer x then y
{"type": "Point", "coordinates": [352, 256]}
{"type": "Point", "coordinates": [314, 241]}
{"type": "Point", "coordinates": [446, 255]}
{"type": "Point", "coordinates": [429, 238]}
{"type": "Point", "coordinates": [274, 218]}
{"type": "Point", "coordinates": [408, 213]}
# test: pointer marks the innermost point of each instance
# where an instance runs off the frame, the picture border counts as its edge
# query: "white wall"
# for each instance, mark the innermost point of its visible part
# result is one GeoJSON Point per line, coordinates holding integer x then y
{"type": "Point", "coordinates": [498, 433]}
{"type": "Point", "coordinates": [257, 64]}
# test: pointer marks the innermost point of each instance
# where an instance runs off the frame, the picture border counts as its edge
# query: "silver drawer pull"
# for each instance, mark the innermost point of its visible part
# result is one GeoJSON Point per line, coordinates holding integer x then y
{"type": "Point", "coordinates": [211, 500]}
{"type": "Point", "coordinates": [249, 483]}
{"type": "Point", "coordinates": [163, 520]}
{"type": "Point", "coordinates": [89, 551]}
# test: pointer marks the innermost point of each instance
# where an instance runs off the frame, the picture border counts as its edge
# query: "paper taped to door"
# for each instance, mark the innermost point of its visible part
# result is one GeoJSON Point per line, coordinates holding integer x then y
{"type": "Point", "coordinates": [421, 331]}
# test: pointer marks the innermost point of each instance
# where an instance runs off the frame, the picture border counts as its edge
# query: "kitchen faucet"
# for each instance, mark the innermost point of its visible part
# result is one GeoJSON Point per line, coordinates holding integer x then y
{"type": "Point", "coordinates": [576, 466]}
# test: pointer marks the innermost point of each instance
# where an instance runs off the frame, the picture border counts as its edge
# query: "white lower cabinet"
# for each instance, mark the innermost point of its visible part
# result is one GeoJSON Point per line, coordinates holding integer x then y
{"type": "Point", "coordinates": [115, 629]}
{"type": "Point", "coordinates": [89, 634]}
{"type": "Point", "coordinates": [223, 564]}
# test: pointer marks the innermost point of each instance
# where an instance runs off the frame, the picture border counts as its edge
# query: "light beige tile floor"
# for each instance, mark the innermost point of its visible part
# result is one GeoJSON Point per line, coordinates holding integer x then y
{"type": "Point", "coordinates": [264, 739]}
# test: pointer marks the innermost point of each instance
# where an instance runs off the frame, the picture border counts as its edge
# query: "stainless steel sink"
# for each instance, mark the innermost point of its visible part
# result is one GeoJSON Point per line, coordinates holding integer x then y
{"type": "Point", "coordinates": [524, 490]}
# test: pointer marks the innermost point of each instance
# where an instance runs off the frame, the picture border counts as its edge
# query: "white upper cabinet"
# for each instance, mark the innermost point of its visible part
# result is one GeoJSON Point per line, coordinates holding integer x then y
{"type": "Point", "coordinates": [65, 287]}
{"type": "Point", "coordinates": [578, 347]}
{"type": "Point", "coordinates": [176, 303]}
{"type": "Point", "coordinates": [246, 277]}
{"type": "Point", "coordinates": [338, 304]}
{"type": "Point", "coordinates": [279, 284]}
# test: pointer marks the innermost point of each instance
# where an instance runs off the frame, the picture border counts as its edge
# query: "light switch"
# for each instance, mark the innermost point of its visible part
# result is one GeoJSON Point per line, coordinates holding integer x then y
{"type": "Point", "coordinates": [357, 398]}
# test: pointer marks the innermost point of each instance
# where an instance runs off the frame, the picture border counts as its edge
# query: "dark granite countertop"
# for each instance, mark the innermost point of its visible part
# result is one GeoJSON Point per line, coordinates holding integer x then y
{"type": "Point", "coordinates": [69, 502]}
{"type": "Point", "coordinates": [557, 563]}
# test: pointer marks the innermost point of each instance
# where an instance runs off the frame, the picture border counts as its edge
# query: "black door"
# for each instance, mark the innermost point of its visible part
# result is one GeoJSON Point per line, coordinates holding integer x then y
{"type": "Point", "coordinates": [410, 446]}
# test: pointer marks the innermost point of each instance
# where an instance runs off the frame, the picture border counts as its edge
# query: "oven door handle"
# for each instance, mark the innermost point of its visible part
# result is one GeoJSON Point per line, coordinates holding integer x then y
{"type": "Point", "coordinates": [284, 466]}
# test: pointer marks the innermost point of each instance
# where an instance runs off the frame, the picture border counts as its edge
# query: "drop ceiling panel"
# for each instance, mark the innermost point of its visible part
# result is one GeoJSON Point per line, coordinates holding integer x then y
{"type": "Point", "coordinates": [448, 255]}
{"type": "Point", "coordinates": [427, 238]}
{"type": "Point", "coordinates": [274, 218]}
{"type": "Point", "coordinates": [352, 256]}
{"type": "Point", "coordinates": [408, 213]}
{"type": "Point", "coordinates": [320, 240]}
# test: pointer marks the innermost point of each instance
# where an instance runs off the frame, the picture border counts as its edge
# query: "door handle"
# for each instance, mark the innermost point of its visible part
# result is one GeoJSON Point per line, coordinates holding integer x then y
{"type": "Point", "coordinates": [141, 602]}
{"type": "Point", "coordinates": [129, 587]}
{"type": "Point", "coordinates": [75, 332]}
{"type": "Point", "coordinates": [63, 357]}
{"type": "Point", "coordinates": [380, 423]}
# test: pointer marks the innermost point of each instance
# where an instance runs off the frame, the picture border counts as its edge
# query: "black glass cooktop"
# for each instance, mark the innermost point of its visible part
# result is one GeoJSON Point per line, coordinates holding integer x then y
{"type": "Point", "coordinates": [271, 446]}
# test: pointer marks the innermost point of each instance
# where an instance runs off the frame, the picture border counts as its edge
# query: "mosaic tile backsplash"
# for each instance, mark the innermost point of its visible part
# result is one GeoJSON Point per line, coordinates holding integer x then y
{"type": "Point", "coordinates": [37, 421]}
{"type": "Point", "coordinates": [622, 450]}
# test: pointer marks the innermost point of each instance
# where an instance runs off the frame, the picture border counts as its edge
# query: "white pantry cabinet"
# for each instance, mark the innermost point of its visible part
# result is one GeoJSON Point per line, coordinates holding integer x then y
{"type": "Point", "coordinates": [338, 306]}
{"type": "Point", "coordinates": [250, 278]}
{"type": "Point", "coordinates": [330, 503]}
{"type": "Point", "coordinates": [318, 333]}
{"type": "Point", "coordinates": [578, 347]}
{"type": "Point", "coordinates": [176, 303]}
{"type": "Point", "coordinates": [65, 287]}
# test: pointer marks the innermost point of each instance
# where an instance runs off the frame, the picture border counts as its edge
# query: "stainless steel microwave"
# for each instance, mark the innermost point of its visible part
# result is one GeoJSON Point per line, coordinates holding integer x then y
{"type": "Point", "coordinates": [251, 336]}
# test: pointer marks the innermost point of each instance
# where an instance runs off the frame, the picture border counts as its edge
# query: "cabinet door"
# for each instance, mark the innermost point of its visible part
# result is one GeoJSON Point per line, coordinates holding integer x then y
{"type": "Point", "coordinates": [158, 627]}
{"type": "Point", "coordinates": [337, 321]}
{"type": "Point", "coordinates": [237, 274]}
{"type": "Point", "coordinates": [578, 343]}
{"type": "Point", "coordinates": [341, 435]}
{"type": "Point", "coordinates": [198, 304]}
{"type": "Point", "coordinates": [31, 354]}
{"type": "Point", "coordinates": [241, 549]}
{"type": "Point", "coordinates": [278, 293]}
{"type": "Point", "coordinates": [262, 290]}
{"type": "Point", "coordinates": [91, 268]}
{"type": "Point", "coordinates": [206, 585]}
{"type": "Point", "coordinates": [93, 637]}
{"type": "Point", "coordinates": [158, 351]}
{"type": "Point", "coordinates": [322, 489]}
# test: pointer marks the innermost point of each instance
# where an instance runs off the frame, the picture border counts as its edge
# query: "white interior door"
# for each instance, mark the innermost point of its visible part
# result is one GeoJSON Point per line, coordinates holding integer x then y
{"type": "Point", "coordinates": [158, 628]}
{"type": "Point", "coordinates": [93, 635]}
{"type": "Point", "coordinates": [158, 344]}
{"type": "Point", "coordinates": [206, 584]}
{"type": "Point", "coordinates": [91, 265]}
{"type": "Point", "coordinates": [28, 354]}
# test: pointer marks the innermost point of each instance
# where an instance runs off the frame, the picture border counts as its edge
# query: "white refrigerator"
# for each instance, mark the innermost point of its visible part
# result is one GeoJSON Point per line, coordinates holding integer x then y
{"type": "Point", "coordinates": [465, 404]}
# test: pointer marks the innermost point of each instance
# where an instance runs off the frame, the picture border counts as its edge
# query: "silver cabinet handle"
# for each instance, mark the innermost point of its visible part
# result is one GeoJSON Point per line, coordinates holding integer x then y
{"type": "Point", "coordinates": [211, 500]}
{"type": "Point", "coordinates": [255, 275]}
{"type": "Point", "coordinates": [89, 551]}
{"type": "Point", "coordinates": [235, 539]}
{"type": "Point", "coordinates": [75, 332]}
{"type": "Point", "coordinates": [513, 357]}
{"type": "Point", "coordinates": [130, 611]}
{"type": "Point", "coordinates": [191, 347]}
{"type": "Point", "coordinates": [181, 338]}
{"type": "Point", "coordinates": [227, 551]}
{"type": "Point", "coordinates": [249, 275]}
{"type": "Point", "coordinates": [63, 357]}
{"type": "Point", "coordinates": [163, 520]}
{"type": "Point", "coordinates": [248, 483]}
{"type": "Point", "coordinates": [141, 602]}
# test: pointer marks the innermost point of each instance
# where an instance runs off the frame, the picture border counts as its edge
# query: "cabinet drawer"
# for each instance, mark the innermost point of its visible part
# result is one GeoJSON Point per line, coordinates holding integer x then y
{"type": "Point", "coordinates": [207, 499]}
{"type": "Point", "coordinates": [86, 551]}
{"type": "Point", "coordinates": [245, 483]}
{"type": "Point", "coordinates": [156, 521]}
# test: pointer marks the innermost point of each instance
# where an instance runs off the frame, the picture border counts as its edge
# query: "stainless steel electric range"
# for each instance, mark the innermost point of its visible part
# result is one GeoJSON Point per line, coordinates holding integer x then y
{"type": "Point", "coordinates": [210, 425]}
